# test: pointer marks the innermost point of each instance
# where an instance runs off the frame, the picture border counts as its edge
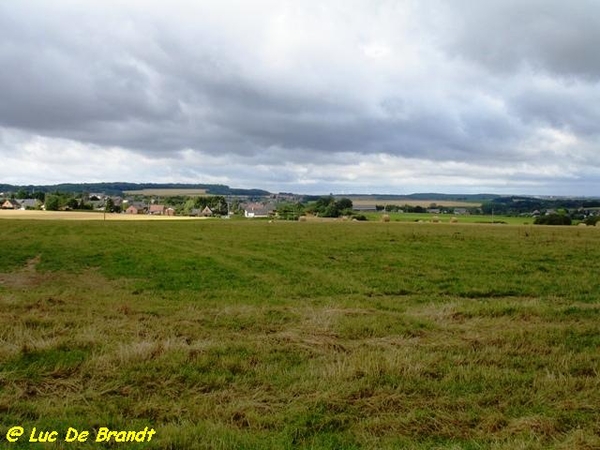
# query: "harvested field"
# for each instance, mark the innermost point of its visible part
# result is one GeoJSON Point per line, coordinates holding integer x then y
{"type": "Point", "coordinates": [77, 215]}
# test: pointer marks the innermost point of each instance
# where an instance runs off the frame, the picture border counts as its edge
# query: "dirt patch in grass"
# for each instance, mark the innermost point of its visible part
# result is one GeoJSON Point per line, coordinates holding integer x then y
{"type": "Point", "coordinates": [25, 277]}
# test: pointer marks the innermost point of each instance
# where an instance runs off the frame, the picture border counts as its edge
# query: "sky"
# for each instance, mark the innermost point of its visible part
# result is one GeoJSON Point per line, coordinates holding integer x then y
{"type": "Point", "coordinates": [340, 96]}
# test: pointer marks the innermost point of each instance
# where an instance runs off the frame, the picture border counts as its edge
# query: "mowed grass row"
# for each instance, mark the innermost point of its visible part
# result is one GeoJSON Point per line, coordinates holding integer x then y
{"type": "Point", "coordinates": [451, 218]}
{"type": "Point", "coordinates": [303, 335]}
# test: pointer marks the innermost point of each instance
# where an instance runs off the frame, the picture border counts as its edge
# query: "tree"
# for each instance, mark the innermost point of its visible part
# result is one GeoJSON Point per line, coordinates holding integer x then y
{"type": "Point", "coordinates": [219, 205]}
{"type": "Point", "coordinates": [52, 202]}
{"type": "Point", "coordinates": [344, 204]}
{"type": "Point", "coordinates": [41, 196]}
{"type": "Point", "coordinates": [188, 206]}
{"type": "Point", "coordinates": [110, 205]}
{"type": "Point", "coordinates": [290, 211]}
{"type": "Point", "coordinates": [323, 203]}
{"type": "Point", "coordinates": [72, 204]}
{"type": "Point", "coordinates": [330, 207]}
{"type": "Point", "coordinates": [22, 194]}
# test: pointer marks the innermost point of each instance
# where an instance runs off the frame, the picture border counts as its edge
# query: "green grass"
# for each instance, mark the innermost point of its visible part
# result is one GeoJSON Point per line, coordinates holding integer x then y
{"type": "Point", "coordinates": [446, 218]}
{"type": "Point", "coordinates": [229, 335]}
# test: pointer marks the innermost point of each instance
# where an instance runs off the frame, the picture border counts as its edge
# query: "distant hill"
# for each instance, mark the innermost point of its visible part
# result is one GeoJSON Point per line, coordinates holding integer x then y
{"type": "Point", "coordinates": [119, 188]}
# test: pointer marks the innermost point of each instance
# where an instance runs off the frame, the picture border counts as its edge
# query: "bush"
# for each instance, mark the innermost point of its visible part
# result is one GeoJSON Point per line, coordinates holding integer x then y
{"type": "Point", "coordinates": [553, 219]}
{"type": "Point", "coordinates": [330, 207]}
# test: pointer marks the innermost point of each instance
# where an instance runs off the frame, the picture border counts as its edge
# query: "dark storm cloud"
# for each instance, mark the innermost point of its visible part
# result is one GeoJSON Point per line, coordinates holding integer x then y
{"type": "Point", "coordinates": [276, 82]}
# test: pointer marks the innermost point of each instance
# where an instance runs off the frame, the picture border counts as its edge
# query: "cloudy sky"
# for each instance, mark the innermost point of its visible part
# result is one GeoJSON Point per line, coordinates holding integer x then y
{"type": "Point", "coordinates": [343, 96]}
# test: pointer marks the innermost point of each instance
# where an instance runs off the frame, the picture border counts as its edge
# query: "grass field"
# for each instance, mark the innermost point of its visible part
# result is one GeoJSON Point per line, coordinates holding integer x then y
{"type": "Point", "coordinates": [423, 203]}
{"type": "Point", "coordinates": [339, 335]}
{"type": "Point", "coordinates": [372, 216]}
{"type": "Point", "coordinates": [447, 218]}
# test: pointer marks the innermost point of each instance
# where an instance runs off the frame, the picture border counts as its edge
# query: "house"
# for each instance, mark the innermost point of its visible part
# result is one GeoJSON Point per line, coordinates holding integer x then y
{"type": "Point", "coordinates": [11, 204]}
{"type": "Point", "coordinates": [256, 210]}
{"type": "Point", "coordinates": [169, 211]}
{"type": "Point", "coordinates": [157, 210]}
{"type": "Point", "coordinates": [206, 212]}
{"type": "Point", "coordinates": [136, 208]}
{"type": "Point", "coordinates": [30, 203]}
{"type": "Point", "coordinates": [461, 211]}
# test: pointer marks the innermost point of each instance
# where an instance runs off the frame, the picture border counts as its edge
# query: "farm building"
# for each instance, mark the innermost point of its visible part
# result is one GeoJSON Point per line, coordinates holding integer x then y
{"type": "Point", "coordinates": [136, 208]}
{"type": "Point", "coordinates": [256, 210]}
{"type": "Point", "coordinates": [11, 204]}
{"type": "Point", "coordinates": [158, 210]}
{"type": "Point", "coordinates": [30, 203]}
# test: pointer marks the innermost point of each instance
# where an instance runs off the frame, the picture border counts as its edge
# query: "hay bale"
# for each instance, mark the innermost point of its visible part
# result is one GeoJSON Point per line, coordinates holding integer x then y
{"type": "Point", "coordinates": [435, 219]}
{"type": "Point", "coordinates": [581, 224]}
{"type": "Point", "coordinates": [454, 220]}
{"type": "Point", "coordinates": [385, 218]}
{"type": "Point", "coordinates": [302, 219]}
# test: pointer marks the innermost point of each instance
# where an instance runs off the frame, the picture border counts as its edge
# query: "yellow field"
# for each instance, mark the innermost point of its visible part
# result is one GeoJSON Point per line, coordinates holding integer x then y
{"type": "Point", "coordinates": [77, 215]}
{"type": "Point", "coordinates": [423, 203]}
{"type": "Point", "coordinates": [167, 192]}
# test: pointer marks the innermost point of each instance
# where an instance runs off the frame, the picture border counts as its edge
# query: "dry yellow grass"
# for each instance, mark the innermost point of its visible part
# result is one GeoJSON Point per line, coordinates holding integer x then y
{"type": "Point", "coordinates": [76, 215]}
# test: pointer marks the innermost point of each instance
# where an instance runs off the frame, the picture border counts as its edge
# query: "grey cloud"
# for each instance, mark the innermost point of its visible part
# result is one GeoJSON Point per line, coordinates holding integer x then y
{"type": "Point", "coordinates": [157, 81]}
{"type": "Point", "coordinates": [550, 35]}
{"type": "Point", "coordinates": [573, 107]}
{"type": "Point", "coordinates": [133, 97]}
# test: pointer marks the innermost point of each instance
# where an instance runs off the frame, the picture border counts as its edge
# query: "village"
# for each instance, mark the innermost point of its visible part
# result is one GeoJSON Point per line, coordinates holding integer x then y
{"type": "Point", "coordinates": [289, 206]}
{"type": "Point", "coordinates": [197, 206]}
